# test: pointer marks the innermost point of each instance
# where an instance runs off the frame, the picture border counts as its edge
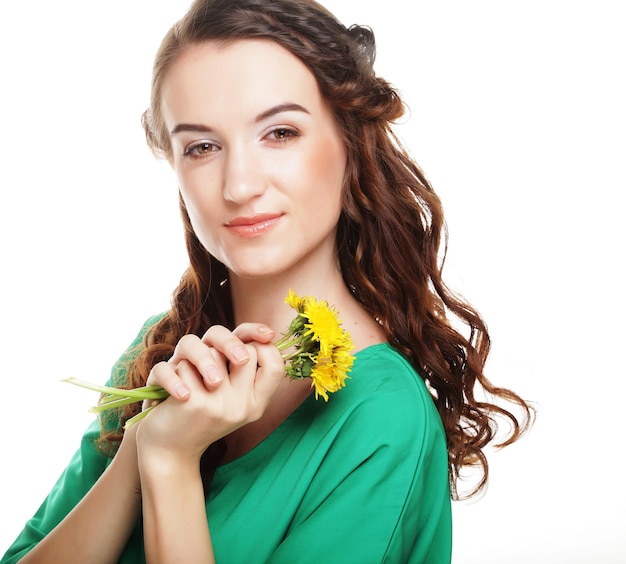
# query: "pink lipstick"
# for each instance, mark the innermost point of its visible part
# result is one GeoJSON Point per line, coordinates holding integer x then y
{"type": "Point", "coordinates": [252, 226]}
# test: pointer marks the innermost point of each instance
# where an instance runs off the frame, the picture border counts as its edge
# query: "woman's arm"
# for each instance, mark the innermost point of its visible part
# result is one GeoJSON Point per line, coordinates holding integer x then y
{"type": "Point", "coordinates": [176, 528]}
{"type": "Point", "coordinates": [98, 527]}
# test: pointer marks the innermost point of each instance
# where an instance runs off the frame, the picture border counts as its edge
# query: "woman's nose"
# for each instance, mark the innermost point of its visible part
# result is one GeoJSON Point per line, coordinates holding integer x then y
{"type": "Point", "coordinates": [243, 175]}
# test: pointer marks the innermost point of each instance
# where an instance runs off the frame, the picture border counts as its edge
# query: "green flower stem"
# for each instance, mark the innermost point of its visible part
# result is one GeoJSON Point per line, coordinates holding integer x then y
{"type": "Point", "coordinates": [285, 343]}
{"type": "Point", "coordinates": [287, 357]}
{"type": "Point", "coordinates": [104, 405]}
{"type": "Point", "coordinates": [138, 417]}
{"type": "Point", "coordinates": [145, 392]}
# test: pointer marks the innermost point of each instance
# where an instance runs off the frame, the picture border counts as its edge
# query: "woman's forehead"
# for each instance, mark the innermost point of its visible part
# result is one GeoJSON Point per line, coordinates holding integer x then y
{"type": "Point", "coordinates": [256, 72]}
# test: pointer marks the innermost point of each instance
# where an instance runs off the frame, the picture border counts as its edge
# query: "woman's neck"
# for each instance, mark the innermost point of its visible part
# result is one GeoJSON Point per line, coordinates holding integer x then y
{"type": "Point", "coordinates": [263, 301]}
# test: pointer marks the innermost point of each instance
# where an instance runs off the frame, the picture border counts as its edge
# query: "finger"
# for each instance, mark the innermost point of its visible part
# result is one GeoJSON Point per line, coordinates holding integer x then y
{"type": "Point", "coordinates": [164, 374]}
{"type": "Point", "coordinates": [248, 406]}
{"type": "Point", "coordinates": [227, 343]}
{"type": "Point", "coordinates": [242, 376]}
{"type": "Point", "coordinates": [259, 332]}
{"type": "Point", "coordinates": [208, 362]}
{"type": "Point", "coordinates": [270, 372]}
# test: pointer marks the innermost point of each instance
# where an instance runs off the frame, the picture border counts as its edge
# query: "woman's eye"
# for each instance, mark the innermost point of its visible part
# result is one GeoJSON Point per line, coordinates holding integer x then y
{"type": "Point", "coordinates": [282, 134]}
{"type": "Point", "coordinates": [200, 150]}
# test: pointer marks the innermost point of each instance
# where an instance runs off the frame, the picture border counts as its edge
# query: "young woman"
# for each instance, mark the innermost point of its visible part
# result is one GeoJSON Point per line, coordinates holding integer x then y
{"type": "Point", "coordinates": [290, 178]}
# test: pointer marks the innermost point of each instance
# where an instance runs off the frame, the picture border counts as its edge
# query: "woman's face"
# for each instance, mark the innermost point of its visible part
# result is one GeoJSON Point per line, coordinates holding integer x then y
{"type": "Point", "coordinates": [259, 159]}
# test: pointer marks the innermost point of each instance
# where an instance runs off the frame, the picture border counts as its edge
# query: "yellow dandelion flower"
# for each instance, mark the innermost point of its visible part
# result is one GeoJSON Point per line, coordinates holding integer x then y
{"type": "Point", "coordinates": [327, 377]}
{"type": "Point", "coordinates": [324, 346]}
{"type": "Point", "coordinates": [295, 301]}
{"type": "Point", "coordinates": [342, 360]}
{"type": "Point", "coordinates": [322, 324]}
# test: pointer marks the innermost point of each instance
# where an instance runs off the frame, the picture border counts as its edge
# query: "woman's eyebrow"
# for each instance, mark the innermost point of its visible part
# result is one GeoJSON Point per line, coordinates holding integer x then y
{"type": "Point", "coordinates": [191, 127]}
{"type": "Point", "coordinates": [286, 107]}
{"type": "Point", "coordinates": [279, 108]}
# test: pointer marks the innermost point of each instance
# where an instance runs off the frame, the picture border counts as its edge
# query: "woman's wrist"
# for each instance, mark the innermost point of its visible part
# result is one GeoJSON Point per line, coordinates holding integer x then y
{"type": "Point", "coordinates": [156, 464]}
{"type": "Point", "coordinates": [126, 458]}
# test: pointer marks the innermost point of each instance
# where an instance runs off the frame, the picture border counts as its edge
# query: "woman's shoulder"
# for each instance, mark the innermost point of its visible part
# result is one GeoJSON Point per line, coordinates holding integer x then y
{"type": "Point", "coordinates": [382, 369]}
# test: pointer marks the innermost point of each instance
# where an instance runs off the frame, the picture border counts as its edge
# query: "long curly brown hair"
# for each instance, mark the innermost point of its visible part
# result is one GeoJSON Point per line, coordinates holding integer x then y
{"type": "Point", "coordinates": [391, 238]}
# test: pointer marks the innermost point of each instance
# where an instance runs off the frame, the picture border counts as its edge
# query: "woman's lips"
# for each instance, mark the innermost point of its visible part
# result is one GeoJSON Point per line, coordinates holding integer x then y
{"type": "Point", "coordinates": [252, 226]}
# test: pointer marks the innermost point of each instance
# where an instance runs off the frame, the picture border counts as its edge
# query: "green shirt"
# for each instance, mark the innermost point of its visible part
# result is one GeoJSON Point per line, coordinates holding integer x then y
{"type": "Point", "coordinates": [360, 479]}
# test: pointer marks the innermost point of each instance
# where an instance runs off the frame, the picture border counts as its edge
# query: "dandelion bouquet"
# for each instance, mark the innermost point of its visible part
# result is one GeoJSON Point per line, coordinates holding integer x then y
{"type": "Point", "coordinates": [314, 346]}
{"type": "Point", "coordinates": [320, 346]}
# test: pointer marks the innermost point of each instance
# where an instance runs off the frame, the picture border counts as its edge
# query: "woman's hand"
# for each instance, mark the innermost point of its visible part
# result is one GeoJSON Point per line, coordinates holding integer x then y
{"type": "Point", "coordinates": [217, 384]}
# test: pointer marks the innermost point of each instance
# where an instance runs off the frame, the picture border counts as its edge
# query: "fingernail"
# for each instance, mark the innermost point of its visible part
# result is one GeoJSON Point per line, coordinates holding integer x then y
{"type": "Point", "coordinates": [265, 330]}
{"type": "Point", "coordinates": [213, 374]}
{"type": "Point", "coordinates": [181, 391]}
{"type": "Point", "coordinates": [240, 354]}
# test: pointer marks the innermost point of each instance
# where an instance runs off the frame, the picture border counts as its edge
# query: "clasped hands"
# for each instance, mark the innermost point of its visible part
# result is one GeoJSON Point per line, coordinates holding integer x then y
{"type": "Point", "coordinates": [217, 384]}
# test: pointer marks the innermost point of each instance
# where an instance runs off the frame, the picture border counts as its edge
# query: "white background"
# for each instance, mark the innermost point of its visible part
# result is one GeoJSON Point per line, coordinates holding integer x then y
{"type": "Point", "coordinates": [517, 117]}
